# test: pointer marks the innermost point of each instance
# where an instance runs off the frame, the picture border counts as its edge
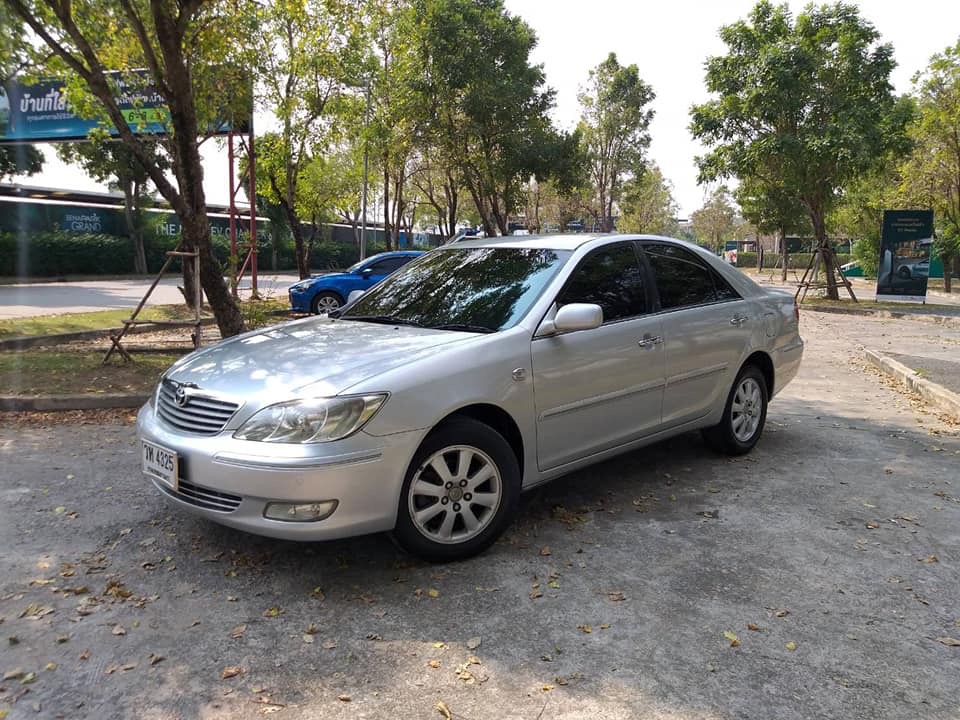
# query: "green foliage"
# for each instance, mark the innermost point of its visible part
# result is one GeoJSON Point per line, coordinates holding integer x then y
{"type": "Point", "coordinates": [59, 254]}
{"type": "Point", "coordinates": [647, 204]}
{"type": "Point", "coordinates": [803, 107]}
{"type": "Point", "coordinates": [615, 128]}
{"type": "Point", "coordinates": [931, 176]}
{"type": "Point", "coordinates": [483, 104]}
{"type": "Point", "coordinates": [795, 261]}
{"type": "Point", "coordinates": [714, 222]}
{"type": "Point", "coordinates": [19, 160]}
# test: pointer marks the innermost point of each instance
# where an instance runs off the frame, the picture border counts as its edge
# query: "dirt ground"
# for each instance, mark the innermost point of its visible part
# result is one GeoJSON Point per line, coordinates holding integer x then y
{"type": "Point", "coordinates": [815, 578]}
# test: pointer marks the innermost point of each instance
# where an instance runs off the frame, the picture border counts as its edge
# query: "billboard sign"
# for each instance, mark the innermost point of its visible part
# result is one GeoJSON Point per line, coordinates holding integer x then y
{"type": "Point", "coordinates": [905, 242]}
{"type": "Point", "coordinates": [39, 112]}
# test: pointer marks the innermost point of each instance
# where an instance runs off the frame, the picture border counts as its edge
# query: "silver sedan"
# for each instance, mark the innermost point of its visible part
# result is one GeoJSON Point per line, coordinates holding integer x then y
{"type": "Point", "coordinates": [478, 371]}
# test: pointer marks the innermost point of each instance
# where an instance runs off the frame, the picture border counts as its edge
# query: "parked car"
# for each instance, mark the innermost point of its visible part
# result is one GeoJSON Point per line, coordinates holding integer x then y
{"type": "Point", "coordinates": [320, 294]}
{"type": "Point", "coordinates": [908, 268]}
{"type": "Point", "coordinates": [482, 369]}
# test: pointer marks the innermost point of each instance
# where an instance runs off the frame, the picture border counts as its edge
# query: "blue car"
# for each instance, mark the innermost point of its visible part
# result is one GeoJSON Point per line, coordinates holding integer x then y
{"type": "Point", "coordinates": [322, 293]}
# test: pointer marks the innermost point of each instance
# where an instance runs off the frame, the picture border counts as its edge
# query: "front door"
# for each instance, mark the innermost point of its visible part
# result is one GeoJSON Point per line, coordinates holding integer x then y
{"type": "Point", "coordinates": [600, 388]}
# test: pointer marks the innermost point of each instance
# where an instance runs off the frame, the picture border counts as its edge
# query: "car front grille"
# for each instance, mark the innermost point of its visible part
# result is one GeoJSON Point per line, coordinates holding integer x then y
{"type": "Point", "coordinates": [200, 414]}
{"type": "Point", "coordinates": [202, 497]}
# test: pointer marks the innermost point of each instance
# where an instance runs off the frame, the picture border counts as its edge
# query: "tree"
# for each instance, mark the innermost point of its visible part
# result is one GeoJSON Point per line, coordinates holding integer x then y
{"type": "Point", "coordinates": [310, 56]}
{"type": "Point", "coordinates": [113, 163]}
{"type": "Point", "coordinates": [714, 222]}
{"type": "Point", "coordinates": [804, 105]}
{"type": "Point", "coordinates": [931, 175]}
{"type": "Point", "coordinates": [647, 205]}
{"type": "Point", "coordinates": [859, 212]}
{"type": "Point", "coordinates": [485, 105]}
{"type": "Point", "coordinates": [615, 127]}
{"type": "Point", "coordinates": [190, 50]}
{"type": "Point", "coordinates": [772, 209]}
{"type": "Point", "coordinates": [14, 159]}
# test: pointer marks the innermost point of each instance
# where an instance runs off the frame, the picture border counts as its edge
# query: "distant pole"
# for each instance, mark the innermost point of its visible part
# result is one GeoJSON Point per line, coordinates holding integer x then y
{"type": "Point", "coordinates": [366, 167]}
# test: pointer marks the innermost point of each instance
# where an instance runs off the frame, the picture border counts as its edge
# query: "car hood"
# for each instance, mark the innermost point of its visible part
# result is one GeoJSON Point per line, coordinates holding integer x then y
{"type": "Point", "coordinates": [313, 279]}
{"type": "Point", "coordinates": [319, 357]}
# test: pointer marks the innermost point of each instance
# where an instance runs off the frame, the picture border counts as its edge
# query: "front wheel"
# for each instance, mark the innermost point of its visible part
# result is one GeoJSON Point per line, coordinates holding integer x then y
{"type": "Point", "coordinates": [460, 492]}
{"type": "Point", "coordinates": [325, 302]}
{"type": "Point", "coordinates": [743, 416]}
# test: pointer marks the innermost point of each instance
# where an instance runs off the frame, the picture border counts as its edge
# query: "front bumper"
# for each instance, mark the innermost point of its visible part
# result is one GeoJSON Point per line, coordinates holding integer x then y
{"type": "Point", "coordinates": [300, 299]}
{"type": "Point", "coordinates": [231, 481]}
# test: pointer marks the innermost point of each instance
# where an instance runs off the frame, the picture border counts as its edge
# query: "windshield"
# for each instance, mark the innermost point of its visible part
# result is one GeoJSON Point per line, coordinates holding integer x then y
{"type": "Point", "coordinates": [472, 289]}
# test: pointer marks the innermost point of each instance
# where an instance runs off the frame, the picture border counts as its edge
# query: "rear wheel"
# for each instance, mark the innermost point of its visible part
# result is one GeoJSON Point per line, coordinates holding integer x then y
{"type": "Point", "coordinates": [743, 416]}
{"type": "Point", "coordinates": [460, 492]}
{"type": "Point", "coordinates": [324, 302]}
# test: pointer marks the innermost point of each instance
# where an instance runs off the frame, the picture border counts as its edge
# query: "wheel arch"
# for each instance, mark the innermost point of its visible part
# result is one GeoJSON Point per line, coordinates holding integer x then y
{"type": "Point", "coordinates": [497, 418]}
{"type": "Point", "coordinates": [762, 360]}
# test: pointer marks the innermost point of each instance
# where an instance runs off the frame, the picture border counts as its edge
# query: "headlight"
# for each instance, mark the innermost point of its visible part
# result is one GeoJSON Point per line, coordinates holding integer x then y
{"type": "Point", "coordinates": [311, 421]}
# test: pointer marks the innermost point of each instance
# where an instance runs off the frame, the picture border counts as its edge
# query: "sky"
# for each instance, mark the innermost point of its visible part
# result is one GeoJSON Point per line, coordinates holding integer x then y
{"type": "Point", "coordinates": [668, 40]}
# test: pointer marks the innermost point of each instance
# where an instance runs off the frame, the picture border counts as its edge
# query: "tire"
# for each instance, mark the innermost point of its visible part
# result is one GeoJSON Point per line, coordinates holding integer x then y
{"type": "Point", "coordinates": [743, 416]}
{"type": "Point", "coordinates": [904, 272]}
{"type": "Point", "coordinates": [324, 302]}
{"type": "Point", "coordinates": [457, 463]}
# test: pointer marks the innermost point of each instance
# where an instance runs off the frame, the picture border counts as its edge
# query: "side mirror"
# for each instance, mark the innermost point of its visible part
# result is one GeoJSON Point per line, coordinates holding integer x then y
{"type": "Point", "coordinates": [573, 317]}
{"type": "Point", "coordinates": [354, 294]}
{"type": "Point", "coordinates": [366, 272]}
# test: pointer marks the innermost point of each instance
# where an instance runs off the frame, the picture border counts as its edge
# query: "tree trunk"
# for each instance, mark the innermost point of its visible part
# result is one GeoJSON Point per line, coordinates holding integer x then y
{"type": "Point", "coordinates": [784, 255]}
{"type": "Point", "coordinates": [948, 265]}
{"type": "Point", "coordinates": [130, 192]}
{"type": "Point", "coordinates": [823, 247]}
{"type": "Point", "coordinates": [300, 248]}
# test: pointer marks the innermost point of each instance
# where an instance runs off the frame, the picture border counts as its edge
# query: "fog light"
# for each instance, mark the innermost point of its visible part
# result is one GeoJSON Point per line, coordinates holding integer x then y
{"type": "Point", "coordinates": [300, 512]}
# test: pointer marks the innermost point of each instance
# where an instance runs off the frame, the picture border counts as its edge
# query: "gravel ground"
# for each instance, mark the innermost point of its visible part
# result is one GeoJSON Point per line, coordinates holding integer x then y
{"type": "Point", "coordinates": [815, 578]}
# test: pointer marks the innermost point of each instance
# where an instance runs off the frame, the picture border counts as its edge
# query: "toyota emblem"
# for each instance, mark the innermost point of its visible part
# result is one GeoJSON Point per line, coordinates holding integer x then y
{"type": "Point", "coordinates": [181, 397]}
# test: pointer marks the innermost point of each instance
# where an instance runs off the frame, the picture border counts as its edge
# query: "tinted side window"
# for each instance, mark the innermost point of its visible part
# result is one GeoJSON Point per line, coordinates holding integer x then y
{"type": "Point", "coordinates": [682, 279]}
{"type": "Point", "coordinates": [387, 266]}
{"type": "Point", "coordinates": [611, 278]}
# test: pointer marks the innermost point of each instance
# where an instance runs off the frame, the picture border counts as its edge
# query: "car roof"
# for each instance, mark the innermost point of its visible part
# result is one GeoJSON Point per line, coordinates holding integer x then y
{"type": "Point", "coordinates": [559, 241]}
{"type": "Point", "coordinates": [395, 253]}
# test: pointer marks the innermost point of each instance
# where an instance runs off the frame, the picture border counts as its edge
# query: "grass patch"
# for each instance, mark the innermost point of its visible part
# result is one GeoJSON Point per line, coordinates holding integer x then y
{"type": "Point", "coordinates": [874, 305]}
{"type": "Point", "coordinates": [78, 322]}
{"type": "Point", "coordinates": [255, 314]}
{"type": "Point", "coordinates": [65, 372]}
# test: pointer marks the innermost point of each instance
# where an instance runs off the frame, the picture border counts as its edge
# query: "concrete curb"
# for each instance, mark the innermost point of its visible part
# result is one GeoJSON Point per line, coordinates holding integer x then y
{"type": "Point", "coordinates": [948, 320]}
{"type": "Point", "coordinates": [39, 403]}
{"type": "Point", "coordinates": [937, 395]}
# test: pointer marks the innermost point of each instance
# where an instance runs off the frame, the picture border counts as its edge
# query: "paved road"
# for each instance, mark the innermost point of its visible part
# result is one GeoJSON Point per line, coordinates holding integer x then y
{"type": "Point", "coordinates": [838, 536]}
{"type": "Point", "coordinates": [34, 299]}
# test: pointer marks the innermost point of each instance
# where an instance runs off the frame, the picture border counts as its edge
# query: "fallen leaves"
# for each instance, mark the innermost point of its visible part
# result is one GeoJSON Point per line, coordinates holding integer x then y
{"type": "Point", "coordinates": [435, 664]}
{"type": "Point", "coordinates": [434, 593]}
{"type": "Point", "coordinates": [118, 630]}
{"type": "Point", "coordinates": [238, 632]}
{"type": "Point", "coordinates": [328, 644]}
{"type": "Point", "coordinates": [616, 596]}
{"type": "Point", "coordinates": [273, 612]}
{"type": "Point", "coordinates": [344, 697]}
{"type": "Point", "coordinates": [545, 551]}
{"type": "Point", "coordinates": [791, 646]}
{"type": "Point", "coordinates": [154, 658]}
{"type": "Point", "coordinates": [585, 629]}
{"type": "Point", "coordinates": [473, 643]}
{"type": "Point", "coordinates": [34, 611]}
{"type": "Point", "coordinates": [231, 671]}
{"type": "Point", "coordinates": [732, 637]}
{"type": "Point", "coordinates": [754, 627]}
{"type": "Point", "coordinates": [440, 707]}
{"type": "Point", "coordinates": [948, 641]}
{"type": "Point", "coordinates": [928, 559]}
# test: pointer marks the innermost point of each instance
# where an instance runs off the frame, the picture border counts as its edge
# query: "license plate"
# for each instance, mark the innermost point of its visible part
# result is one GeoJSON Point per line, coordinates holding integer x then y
{"type": "Point", "coordinates": [161, 463]}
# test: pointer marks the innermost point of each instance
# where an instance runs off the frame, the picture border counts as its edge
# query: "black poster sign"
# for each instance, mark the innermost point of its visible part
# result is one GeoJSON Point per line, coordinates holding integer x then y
{"type": "Point", "coordinates": [905, 242]}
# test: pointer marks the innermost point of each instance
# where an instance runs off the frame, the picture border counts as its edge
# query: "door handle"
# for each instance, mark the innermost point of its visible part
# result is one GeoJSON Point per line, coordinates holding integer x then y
{"type": "Point", "coordinates": [738, 320]}
{"type": "Point", "coordinates": [650, 341]}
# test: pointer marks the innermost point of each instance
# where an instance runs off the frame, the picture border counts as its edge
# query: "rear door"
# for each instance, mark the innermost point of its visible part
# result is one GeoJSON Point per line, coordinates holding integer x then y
{"type": "Point", "coordinates": [596, 389]}
{"type": "Point", "coordinates": [706, 328]}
